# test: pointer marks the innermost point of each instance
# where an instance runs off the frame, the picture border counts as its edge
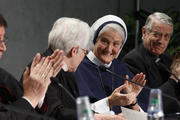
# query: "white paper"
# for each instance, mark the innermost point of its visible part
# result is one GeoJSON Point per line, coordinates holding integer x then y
{"type": "Point", "coordinates": [130, 114]}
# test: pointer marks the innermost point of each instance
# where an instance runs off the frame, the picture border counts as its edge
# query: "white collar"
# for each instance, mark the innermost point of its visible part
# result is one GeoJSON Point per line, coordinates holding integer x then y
{"type": "Point", "coordinates": [64, 67]}
{"type": "Point", "coordinates": [96, 61]}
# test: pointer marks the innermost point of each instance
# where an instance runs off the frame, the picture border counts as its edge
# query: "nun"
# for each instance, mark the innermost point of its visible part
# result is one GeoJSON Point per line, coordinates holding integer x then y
{"type": "Point", "coordinates": [109, 36]}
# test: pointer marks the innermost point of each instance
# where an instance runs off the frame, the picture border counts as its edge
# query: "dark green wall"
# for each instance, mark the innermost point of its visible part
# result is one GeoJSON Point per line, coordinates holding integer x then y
{"type": "Point", "coordinates": [30, 21]}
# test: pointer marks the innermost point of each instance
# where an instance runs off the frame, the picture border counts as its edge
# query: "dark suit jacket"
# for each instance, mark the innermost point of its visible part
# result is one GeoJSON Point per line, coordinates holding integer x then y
{"type": "Point", "coordinates": [140, 60]}
{"type": "Point", "coordinates": [13, 107]}
{"type": "Point", "coordinates": [60, 104]}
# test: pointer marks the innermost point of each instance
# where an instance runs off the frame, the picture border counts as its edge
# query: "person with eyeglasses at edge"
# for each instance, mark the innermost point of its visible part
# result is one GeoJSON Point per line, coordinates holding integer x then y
{"type": "Point", "coordinates": [148, 56]}
{"type": "Point", "coordinates": [18, 103]}
{"type": "Point", "coordinates": [5, 40]}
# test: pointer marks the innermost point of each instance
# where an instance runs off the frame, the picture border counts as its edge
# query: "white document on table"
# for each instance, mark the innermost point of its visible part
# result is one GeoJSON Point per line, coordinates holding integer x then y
{"type": "Point", "coordinates": [130, 114]}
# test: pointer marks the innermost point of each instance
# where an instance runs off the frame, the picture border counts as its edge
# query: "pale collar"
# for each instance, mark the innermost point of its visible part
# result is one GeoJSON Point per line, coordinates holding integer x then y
{"type": "Point", "coordinates": [64, 67]}
{"type": "Point", "coordinates": [96, 61]}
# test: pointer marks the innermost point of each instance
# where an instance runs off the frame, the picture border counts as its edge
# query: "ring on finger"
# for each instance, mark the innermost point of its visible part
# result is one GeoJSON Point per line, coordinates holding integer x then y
{"type": "Point", "coordinates": [43, 76]}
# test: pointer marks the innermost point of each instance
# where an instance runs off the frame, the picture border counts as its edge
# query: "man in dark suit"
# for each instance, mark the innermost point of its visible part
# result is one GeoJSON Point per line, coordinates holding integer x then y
{"type": "Point", "coordinates": [18, 103]}
{"type": "Point", "coordinates": [148, 56]}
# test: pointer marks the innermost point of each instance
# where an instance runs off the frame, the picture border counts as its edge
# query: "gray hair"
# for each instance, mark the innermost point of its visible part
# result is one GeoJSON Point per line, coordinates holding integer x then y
{"type": "Point", "coordinates": [162, 17]}
{"type": "Point", "coordinates": [115, 27]}
{"type": "Point", "coordinates": [69, 32]}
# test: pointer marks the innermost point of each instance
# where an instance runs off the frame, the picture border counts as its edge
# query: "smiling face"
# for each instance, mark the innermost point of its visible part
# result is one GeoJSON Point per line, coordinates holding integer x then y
{"type": "Point", "coordinates": [156, 40]}
{"type": "Point", "coordinates": [107, 46]}
{"type": "Point", "coordinates": [2, 44]}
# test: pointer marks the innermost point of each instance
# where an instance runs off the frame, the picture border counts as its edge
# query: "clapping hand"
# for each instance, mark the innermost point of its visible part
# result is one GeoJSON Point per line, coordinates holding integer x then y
{"type": "Point", "coordinates": [120, 99]}
{"type": "Point", "coordinates": [133, 88]}
{"type": "Point", "coordinates": [57, 58]}
{"type": "Point", "coordinates": [37, 79]}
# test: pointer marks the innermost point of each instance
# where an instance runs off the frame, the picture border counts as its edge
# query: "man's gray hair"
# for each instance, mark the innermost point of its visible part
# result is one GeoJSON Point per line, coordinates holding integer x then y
{"type": "Point", "coordinates": [69, 32]}
{"type": "Point", "coordinates": [157, 16]}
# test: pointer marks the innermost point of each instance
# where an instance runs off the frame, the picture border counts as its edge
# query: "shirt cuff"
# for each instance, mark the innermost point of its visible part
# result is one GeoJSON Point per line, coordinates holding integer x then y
{"type": "Point", "coordinates": [140, 109]}
{"type": "Point", "coordinates": [27, 100]}
{"type": "Point", "coordinates": [40, 103]}
{"type": "Point", "coordinates": [102, 107]}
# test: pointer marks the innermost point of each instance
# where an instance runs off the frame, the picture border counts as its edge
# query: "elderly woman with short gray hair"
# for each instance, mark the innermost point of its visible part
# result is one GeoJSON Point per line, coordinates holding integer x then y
{"type": "Point", "coordinates": [109, 36]}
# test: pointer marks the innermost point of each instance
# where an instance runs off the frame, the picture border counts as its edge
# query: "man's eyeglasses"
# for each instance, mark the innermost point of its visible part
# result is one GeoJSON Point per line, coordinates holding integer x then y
{"type": "Point", "coordinates": [85, 51]}
{"type": "Point", "coordinates": [4, 40]}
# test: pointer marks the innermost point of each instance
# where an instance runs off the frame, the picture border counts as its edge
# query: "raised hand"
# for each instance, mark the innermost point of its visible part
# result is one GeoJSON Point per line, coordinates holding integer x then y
{"type": "Point", "coordinates": [37, 79]}
{"type": "Point", "coordinates": [57, 58]}
{"type": "Point", "coordinates": [119, 99]}
{"type": "Point", "coordinates": [133, 88]}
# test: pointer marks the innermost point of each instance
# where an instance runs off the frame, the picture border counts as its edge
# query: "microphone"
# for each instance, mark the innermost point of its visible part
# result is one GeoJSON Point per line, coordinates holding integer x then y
{"type": "Point", "coordinates": [104, 69]}
{"type": "Point", "coordinates": [61, 86]}
{"type": "Point", "coordinates": [163, 67]}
